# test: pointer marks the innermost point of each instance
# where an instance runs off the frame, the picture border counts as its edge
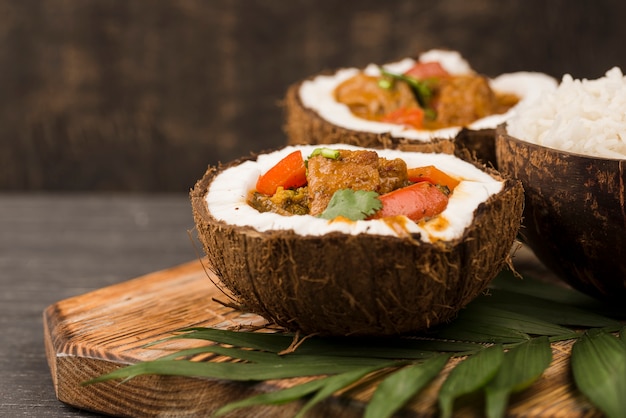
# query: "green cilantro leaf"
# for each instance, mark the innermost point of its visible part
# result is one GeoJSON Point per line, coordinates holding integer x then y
{"type": "Point", "coordinates": [352, 204]}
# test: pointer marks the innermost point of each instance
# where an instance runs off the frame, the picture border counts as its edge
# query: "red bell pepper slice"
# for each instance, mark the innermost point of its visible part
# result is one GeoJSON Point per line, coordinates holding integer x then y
{"type": "Point", "coordinates": [413, 117]}
{"type": "Point", "coordinates": [416, 202]}
{"type": "Point", "coordinates": [432, 174]}
{"type": "Point", "coordinates": [290, 172]}
{"type": "Point", "coordinates": [430, 69]}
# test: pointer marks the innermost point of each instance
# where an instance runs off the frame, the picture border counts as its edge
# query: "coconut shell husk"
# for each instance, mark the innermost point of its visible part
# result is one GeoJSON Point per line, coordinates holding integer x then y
{"type": "Point", "coordinates": [480, 144]}
{"type": "Point", "coordinates": [368, 285]}
{"type": "Point", "coordinates": [304, 126]}
{"type": "Point", "coordinates": [574, 216]}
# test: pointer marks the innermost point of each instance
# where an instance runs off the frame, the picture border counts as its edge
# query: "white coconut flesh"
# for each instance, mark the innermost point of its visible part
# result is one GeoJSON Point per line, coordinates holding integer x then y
{"type": "Point", "coordinates": [228, 193]}
{"type": "Point", "coordinates": [318, 95]}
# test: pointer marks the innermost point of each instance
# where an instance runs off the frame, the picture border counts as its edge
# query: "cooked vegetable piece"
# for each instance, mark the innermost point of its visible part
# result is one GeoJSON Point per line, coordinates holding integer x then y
{"type": "Point", "coordinates": [285, 202]}
{"type": "Point", "coordinates": [333, 154]}
{"type": "Point", "coordinates": [421, 89]}
{"type": "Point", "coordinates": [288, 173]}
{"type": "Point", "coordinates": [430, 69]}
{"type": "Point", "coordinates": [432, 174]}
{"type": "Point", "coordinates": [416, 202]}
{"type": "Point", "coordinates": [413, 117]}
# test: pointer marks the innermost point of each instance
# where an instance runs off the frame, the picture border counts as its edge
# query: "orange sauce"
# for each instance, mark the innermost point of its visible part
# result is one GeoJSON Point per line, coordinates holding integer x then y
{"type": "Point", "coordinates": [341, 219]}
{"type": "Point", "coordinates": [439, 223]}
{"type": "Point", "coordinates": [398, 224]}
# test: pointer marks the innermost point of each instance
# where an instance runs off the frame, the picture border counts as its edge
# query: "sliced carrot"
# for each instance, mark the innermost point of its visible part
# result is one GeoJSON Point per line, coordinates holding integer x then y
{"type": "Point", "coordinates": [413, 117]}
{"type": "Point", "coordinates": [416, 202]}
{"type": "Point", "coordinates": [430, 69]}
{"type": "Point", "coordinates": [432, 174]}
{"type": "Point", "coordinates": [288, 173]}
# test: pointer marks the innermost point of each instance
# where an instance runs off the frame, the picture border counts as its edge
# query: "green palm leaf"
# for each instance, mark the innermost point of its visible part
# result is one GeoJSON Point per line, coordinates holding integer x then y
{"type": "Point", "coordinates": [598, 363]}
{"type": "Point", "coordinates": [526, 324]}
{"type": "Point", "coordinates": [481, 331]}
{"type": "Point", "coordinates": [232, 352]}
{"type": "Point", "coordinates": [278, 397]}
{"type": "Point", "coordinates": [555, 293]}
{"type": "Point", "coordinates": [389, 348]}
{"type": "Point", "coordinates": [273, 358]}
{"type": "Point", "coordinates": [397, 389]}
{"type": "Point", "coordinates": [278, 369]}
{"type": "Point", "coordinates": [272, 342]}
{"type": "Point", "coordinates": [521, 366]}
{"type": "Point", "coordinates": [336, 383]}
{"type": "Point", "coordinates": [324, 387]}
{"type": "Point", "coordinates": [544, 309]}
{"type": "Point", "coordinates": [468, 376]}
{"type": "Point", "coordinates": [483, 334]}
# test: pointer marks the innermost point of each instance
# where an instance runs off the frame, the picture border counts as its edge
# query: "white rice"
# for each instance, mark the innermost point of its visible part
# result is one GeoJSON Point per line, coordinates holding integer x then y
{"type": "Point", "coordinates": [581, 116]}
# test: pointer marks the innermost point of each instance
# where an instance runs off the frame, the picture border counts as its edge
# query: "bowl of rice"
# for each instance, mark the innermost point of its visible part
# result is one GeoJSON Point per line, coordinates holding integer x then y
{"type": "Point", "coordinates": [568, 148]}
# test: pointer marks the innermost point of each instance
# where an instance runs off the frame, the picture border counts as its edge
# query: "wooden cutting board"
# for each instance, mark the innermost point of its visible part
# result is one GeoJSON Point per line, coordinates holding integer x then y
{"type": "Point", "coordinates": [95, 333]}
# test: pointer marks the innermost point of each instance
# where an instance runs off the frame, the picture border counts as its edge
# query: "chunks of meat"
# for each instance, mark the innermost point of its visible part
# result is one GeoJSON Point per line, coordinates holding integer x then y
{"type": "Point", "coordinates": [356, 170]}
{"type": "Point", "coordinates": [366, 99]}
{"type": "Point", "coordinates": [463, 99]}
{"type": "Point", "coordinates": [393, 174]}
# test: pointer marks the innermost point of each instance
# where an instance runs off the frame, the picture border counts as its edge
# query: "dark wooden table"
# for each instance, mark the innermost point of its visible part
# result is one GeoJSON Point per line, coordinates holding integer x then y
{"type": "Point", "coordinates": [55, 246]}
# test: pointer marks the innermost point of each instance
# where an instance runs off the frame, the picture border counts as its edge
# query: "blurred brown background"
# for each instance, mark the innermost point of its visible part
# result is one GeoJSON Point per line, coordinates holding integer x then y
{"type": "Point", "coordinates": [140, 95]}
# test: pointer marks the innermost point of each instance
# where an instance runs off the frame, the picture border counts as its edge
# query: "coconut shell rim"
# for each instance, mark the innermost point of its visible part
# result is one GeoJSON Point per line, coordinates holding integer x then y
{"type": "Point", "coordinates": [502, 131]}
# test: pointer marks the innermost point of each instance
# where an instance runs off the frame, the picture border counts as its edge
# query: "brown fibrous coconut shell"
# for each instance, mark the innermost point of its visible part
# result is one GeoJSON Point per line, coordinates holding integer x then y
{"type": "Point", "coordinates": [304, 126]}
{"type": "Point", "coordinates": [574, 216]}
{"type": "Point", "coordinates": [368, 285]}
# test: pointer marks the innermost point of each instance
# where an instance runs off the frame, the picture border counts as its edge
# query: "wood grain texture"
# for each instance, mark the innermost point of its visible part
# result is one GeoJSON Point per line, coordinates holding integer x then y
{"type": "Point", "coordinates": [97, 332]}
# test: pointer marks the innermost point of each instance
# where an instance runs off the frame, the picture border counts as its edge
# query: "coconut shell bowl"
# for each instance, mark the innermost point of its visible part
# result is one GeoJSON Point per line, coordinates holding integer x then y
{"type": "Point", "coordinates": [575, 213]}
{"type": "Point", "coordinates": [364, 284]}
